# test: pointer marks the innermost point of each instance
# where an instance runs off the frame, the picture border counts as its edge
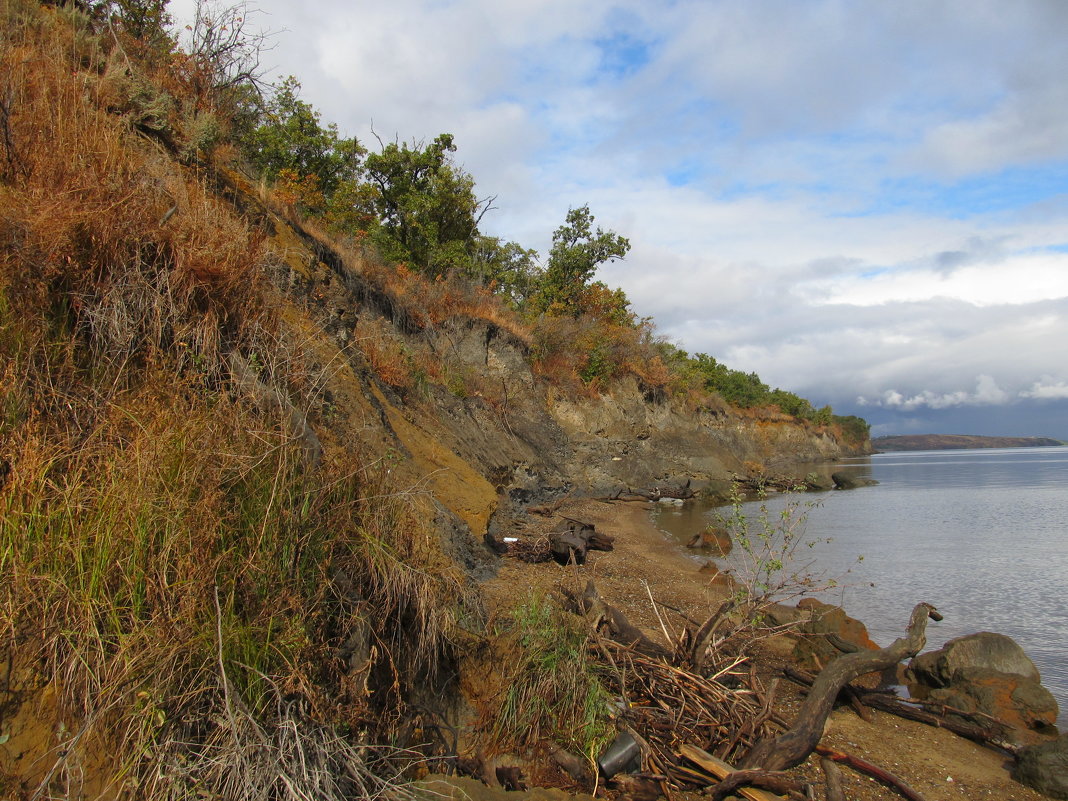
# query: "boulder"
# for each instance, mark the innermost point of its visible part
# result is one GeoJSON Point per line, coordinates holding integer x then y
{"type": "Point", "coordinates": [989, 674]}
{"type": "Point", "coordinates": [814, 648]}
{"type": "Point", "coordinates": [717, 540]}
{"type": "Point", "coordinates": [985, 650]}
{"type": "Point", "coordinates": [844, 481]}
{"type": "Point", "coordinates": [818, 482]}
{"type": "Point", "coordinates": [1044, 767]}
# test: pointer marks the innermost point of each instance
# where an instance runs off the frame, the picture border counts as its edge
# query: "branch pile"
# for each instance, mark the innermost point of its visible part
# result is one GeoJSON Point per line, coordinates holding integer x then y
{"type": "Point", "coordinates": [696, 709]}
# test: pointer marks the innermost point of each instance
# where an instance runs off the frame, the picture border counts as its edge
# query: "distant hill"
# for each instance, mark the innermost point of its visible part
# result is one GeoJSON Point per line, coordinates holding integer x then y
{"type": "Point", "coordinates": [943, 442]}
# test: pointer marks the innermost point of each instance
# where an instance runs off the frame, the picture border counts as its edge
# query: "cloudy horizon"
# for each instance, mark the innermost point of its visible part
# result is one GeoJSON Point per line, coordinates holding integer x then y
{"type": "Point", "coordinates": [865, 203]}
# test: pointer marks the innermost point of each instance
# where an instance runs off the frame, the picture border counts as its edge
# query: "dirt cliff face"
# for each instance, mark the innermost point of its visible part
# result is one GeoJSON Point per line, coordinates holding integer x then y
{"type": "Point", "coordinates": [457, 408]}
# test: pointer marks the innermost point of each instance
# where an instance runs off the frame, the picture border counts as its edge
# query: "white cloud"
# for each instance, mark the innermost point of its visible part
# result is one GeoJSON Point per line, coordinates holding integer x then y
{"type": "Point", "coordinates": [1048, 388]}
{"type": "Point", "coordinates": [1020, 278]}
{"type": "Point", "coordinates": [987, 393]}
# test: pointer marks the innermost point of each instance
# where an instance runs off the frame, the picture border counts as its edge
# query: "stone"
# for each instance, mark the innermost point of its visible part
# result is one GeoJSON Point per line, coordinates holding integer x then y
{"type": "Point", "coordinates": [990, 674]}
{"type": "Point", "coordinates": [717, 540]}
{"type": "Point", "coordinates": [1044, 767]}
{"type": "Point", "coordinates": [813, 651]}
{"type": "Point", "coordinates": [1023, 704]}
{"type": "Point", "coordinates": [985, 650]}
{"type": "Point", "coordinates": [843, 481]}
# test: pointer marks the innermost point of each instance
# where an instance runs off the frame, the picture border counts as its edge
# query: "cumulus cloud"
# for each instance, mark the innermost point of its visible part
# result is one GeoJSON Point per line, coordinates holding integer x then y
{"type": "Point", "coordinates": [1048, 388]}
{"type": "Point", "coordinates": [987, 393]}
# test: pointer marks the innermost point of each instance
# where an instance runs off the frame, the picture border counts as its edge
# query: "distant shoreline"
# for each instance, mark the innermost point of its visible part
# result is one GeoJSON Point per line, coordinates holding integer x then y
{"type": "Point", "coordinates": [945, 442]}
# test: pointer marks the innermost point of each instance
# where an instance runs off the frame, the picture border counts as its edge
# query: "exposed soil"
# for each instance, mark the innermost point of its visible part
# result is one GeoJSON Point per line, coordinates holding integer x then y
{"type": "Point", "coordinates": [939, 765]}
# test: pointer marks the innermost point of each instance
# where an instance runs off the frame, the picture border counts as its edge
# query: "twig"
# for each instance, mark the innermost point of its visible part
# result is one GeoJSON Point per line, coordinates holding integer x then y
{"type": "Point", "coordinates": [669, 637]}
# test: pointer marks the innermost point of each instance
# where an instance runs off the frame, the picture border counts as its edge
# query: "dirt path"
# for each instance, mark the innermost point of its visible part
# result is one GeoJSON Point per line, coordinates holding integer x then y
{"type": "Point", "coordinates": [939, 765]}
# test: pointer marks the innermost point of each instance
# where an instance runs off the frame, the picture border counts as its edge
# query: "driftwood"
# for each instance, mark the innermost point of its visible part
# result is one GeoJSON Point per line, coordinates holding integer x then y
{"type": "Point", "coordinates": [775, 781]}
{"type": "Point", "coordinates": [570, 541]}
{"type": "Point", "coordinates": [721, 770]}
{"type": "Point", "coordinates": [598, 613]}
{"type": "Point", "coordinates": [704, 635]}
{"type": "Point", "coordinates": [510, 777]}
{"type": "Point", "coordinates": [834, 779]}
{"type": "Point", "coordinates": [794, 746]}
{"type": "Point", "coordinates": [867, 768]}
{"type": "Point", "coordinates": [637, 787]}
{"type": "Point", "coordinates": [575, 766]}
{"type": "Point", "coordinates": [961, 723]}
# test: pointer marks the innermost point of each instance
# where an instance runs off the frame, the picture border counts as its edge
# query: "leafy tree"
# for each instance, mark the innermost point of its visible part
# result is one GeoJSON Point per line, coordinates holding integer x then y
{"type": "Point", "coordinates": [577, 251]}
{"type": "Point", "coordinates": [288, 136]}
{"type": "Point", "coordinates": [508, 267]}
{"type": "Point", "coordinates": [426, 206]}
{"type": "Point", "coordinates": [145, 20]}
{"type": "Point", "coordinates": [855, 428]}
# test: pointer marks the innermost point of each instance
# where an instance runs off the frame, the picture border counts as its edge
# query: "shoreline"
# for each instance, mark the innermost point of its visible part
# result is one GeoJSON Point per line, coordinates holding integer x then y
{"type": "Point", "coordinates": [644, 562]}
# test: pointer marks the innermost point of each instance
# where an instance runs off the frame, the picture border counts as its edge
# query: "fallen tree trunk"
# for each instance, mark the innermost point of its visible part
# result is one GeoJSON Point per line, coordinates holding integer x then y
{"type": "Point", "coordinates": [775, 781]}
{"type": "Point", "coordinates": [834, 780]}
{"type": "Point", "coordinates": [794, 746]}
{"type": "Point", "coordinates": [721, 770]}
{"type": "Point", "coordinates": [569, 541]}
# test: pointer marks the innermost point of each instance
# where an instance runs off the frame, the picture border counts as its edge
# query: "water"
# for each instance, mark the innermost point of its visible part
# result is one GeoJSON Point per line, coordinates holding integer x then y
{"type": "Point", "coordinates": [981, 534]}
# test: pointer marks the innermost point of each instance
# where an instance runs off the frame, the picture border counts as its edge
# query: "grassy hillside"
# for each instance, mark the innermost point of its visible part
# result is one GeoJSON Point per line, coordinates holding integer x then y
{"type": "Point", "coordinates": [193, 605]}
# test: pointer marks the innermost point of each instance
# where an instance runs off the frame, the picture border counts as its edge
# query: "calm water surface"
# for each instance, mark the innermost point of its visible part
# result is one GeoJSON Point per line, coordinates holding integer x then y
{"type": "Point", "coordinates": [982, 535]}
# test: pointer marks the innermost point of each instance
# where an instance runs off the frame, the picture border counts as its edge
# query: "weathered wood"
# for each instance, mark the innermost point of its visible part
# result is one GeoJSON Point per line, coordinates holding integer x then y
{"type": "Point", "coordinates": [794, 746]}
{"type": "Point", "coordinates": [620, 629]}
{"type": "Point", "coordinates": [991, 733]}
{"type": "Point", "coordinates": [740, 780]}
{"type": "Point", "coordinates": [704, 635]}
{"type": "Point", "coordinates": [721, 770]}
{"type": "Point", "coordinates": [575, 766]}
{"type": "Point", "coordinates": [567, 547]}
{"type": "Point", "coordinates": [833, 777]}
{"type": "Point", "coordinates": [510, 777]}
{"type": "Point", "coordinates": [867, 768]}
{"type": "Point", "coordinates": [570, 541]}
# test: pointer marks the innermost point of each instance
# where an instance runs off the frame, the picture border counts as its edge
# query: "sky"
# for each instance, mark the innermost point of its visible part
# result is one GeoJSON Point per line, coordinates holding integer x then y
{"type": "Point", "coordinates": [864, 202]}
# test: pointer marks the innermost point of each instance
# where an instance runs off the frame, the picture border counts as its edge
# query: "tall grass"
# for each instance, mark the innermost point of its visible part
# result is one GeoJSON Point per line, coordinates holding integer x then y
{"type": "Point", "coordinates": [180, 554]}
{"type": "Point", "coordinates": [553, 691]}
{"type": "Point", "coordinates": [215, 618]}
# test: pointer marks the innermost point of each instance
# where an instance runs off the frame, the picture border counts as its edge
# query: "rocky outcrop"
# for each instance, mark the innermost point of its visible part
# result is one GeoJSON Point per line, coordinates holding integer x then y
{"type": "Point", "coordinates": [624, 437]}
{"type": "Point", "coordinates": [985, 650]}
{"type": "Point", "coordinates": [990, 674]}
{"type": "Point", "coordinates": [1045, 767]}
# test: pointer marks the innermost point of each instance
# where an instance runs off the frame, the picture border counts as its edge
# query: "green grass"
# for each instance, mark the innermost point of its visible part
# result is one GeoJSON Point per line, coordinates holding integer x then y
{"type": "Point", "coordinates": [555, 691]}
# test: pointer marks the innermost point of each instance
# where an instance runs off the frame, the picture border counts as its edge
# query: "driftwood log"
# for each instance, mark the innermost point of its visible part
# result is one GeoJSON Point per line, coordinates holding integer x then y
{"type": "Point", "coordinates": [834, 780]}
{"type": "Point", "coordinates": [793, 747]}
{"type": "Point", "coordinates": [570, 541]}
{"type": "Point", "coordinates": [960, 722]}
{"type": "Point", "coordinates": [743, 786]}
{"type": "Point", "coordinates": [867, 768]}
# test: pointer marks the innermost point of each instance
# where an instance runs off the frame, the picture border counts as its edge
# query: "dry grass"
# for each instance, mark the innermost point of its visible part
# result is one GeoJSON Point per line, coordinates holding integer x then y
{"type": "Point", "coordinates": [215, 617]}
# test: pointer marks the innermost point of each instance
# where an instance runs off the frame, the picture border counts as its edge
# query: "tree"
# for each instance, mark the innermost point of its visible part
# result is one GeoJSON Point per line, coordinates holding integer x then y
{"type": "Point", "coordinates": [508, 267]}
{"type": "Point", "coordinates": [577, 251]}
{"type": "Point", "coordinates": [426, 206]}
{"type": "Point", "coordinates": [289, 136]}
